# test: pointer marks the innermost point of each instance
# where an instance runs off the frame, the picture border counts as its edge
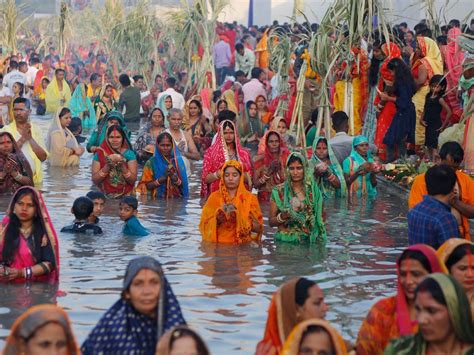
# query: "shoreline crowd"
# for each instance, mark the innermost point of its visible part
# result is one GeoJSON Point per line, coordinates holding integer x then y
{"type": "Point", "coordinates": [408, 90]}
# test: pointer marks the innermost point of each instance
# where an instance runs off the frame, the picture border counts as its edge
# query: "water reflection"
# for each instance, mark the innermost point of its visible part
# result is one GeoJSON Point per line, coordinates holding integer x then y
{"type": "Point", "coordinates": [224, 290]}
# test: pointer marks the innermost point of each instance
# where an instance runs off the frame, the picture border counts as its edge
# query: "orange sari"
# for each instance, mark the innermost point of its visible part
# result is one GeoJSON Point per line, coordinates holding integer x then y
{"type": "Point", "coordinates": [236, 230]}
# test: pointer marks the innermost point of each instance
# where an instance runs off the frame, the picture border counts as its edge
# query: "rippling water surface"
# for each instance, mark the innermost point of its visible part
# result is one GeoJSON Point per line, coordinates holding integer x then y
{"type": "Point", "coordinates": [224, 291]}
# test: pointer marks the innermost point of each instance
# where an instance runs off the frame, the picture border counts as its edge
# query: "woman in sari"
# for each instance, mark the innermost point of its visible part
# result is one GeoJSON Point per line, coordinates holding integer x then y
{"type": "Point", "coordinates": [164, 175]}
{"type": "Point", "coordinates": [182, 340]}
{"type": "Point", "coordinates": [98, 135]}
{"type": "Point", "coordinates": [445, 326]}
{"type": "Point", "coordinates": [15, 171]}
{"type": "Point", "coordinates": [453, 58]}
{"type": "Point", "coordinates": [296, 207]}
{"type": "Point", "coordinates": [134, 325]}
{"type": "Point", "coordinates": [81, 105]}
{"type": "Point", "coordinates": [58, 92]}
{"type": "Point", "coordinates": [295, 301]}
{"type": "Point", "coordinates": [280, 125]}
{"type": "Point", "coordinates": [264, 113]}
{"type": "Point", "coordinates": [39, 95]}
{"type": "Point", "coordinates": [314, 336]}
{"type": "Point", "coordinates": [327, 170]}
{"type": "Point", "coordinates": [29, 249]}
{"type": "Point", "coordinates": [466, 84]}
{"type": "Point", "coordinates": [42, 329]}
{"type": "Point", "coordinates": [359, 169]}
{"type": "Point", "coordinates": [18, 90]}
{"type": "Point", "coordinates": [165, 103]}
{"type": "Point", "coordinates": [231, 214]}
{"type": "Point", "coordinates": [426, 62]}
{"type": "Point", "coordinates": [63, 148]}
{"type": "Point", "coordinates": [269, 165]}
{"type": "Point", "coordinates": [394, 316]}
{"type": "Point", "coordinates": [145, 143]}
{"type": "Point", "coordinates": [105, 102]}
{"type": "Point", "coordinates": [458, 256]}
{"type": "Point", "coordinates": [114, 166]}
{"type": "Point", "coordinates": [199, 126]}
{"type": "Point", "coordinates": [252, 128]}
{"type": "Point", "coordinates": [226, 147]}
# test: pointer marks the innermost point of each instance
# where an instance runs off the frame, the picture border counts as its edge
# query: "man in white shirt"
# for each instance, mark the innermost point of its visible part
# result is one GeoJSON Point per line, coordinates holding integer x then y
{"type": "Point", "coordinates": [5, 97]}
{"type": "Point", "coordinates": [13, 76]}
{"type": "Point", "coordinates": [176, 97]}
{"type": "Point", "coordinates": [32, 71]}
{"type": "Point", "coordinates": [255, 87]}
{"type": "Point", "coordinates": [244, 59]}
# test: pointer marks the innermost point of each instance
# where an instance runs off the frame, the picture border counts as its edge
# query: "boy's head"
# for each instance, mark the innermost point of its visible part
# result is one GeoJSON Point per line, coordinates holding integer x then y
{"type": "Point", "coordinates": [98, 199]}
{"type": "Point", "coordinates": [127, 207]}
{"type": "Point", "coordinates": [440, 180]}
{"type": "Point", "coordinates": [82, 208]}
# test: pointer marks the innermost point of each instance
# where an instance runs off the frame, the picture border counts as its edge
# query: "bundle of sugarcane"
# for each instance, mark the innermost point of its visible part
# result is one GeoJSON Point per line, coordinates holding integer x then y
{"type": "Point", "coordinates": [297, 127]}
{"type": "Point", "coordinates": [10, 24]}
{"type": "Point", "coordinates": [65, 28]}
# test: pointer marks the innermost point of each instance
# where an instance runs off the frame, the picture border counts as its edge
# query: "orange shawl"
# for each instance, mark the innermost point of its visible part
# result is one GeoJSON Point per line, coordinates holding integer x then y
{"type": "Point", "coordinates": [240, 230]}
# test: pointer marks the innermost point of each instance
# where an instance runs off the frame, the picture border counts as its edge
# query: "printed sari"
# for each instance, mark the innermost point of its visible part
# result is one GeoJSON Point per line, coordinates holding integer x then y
{"type": "Point", "coordinates": [98, 135]}
{"type": "Point", "coordinates": [390, 318]}
{"type": "Point", "coordinates": [102, 108]}
{"type": "Point", "coordinates": [217, 155]}
{"type": "Point", "coordinates": [200, 130]}
{"type": "Point", "coordinates": [33, 319]}
{"type": "Point", "coordinates": [293, 343]}
{"type": "Point", "coordinates": [156, 167]}
{"type": "Point", "coordinates": [333, 167]}
{"type": "Point", "coordinates": [262, 163]}
{"type": "Point", "coordinates": [236, 230]}
{"type": "Point", "coordinates": [461, 321]}
{"type": "Point", "coordinates": [8, 184]}
{"type": "Point", "coordinates": [61, 143]}
{"type": "Point", "coordinates": [305, 225]}
{"type": "Point", "coordinates": [124, 330]}
{"type": "Point", "coordinates": [49, 244]}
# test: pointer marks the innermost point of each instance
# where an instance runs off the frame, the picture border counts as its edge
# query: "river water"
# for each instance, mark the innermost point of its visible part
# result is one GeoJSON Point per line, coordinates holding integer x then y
{"type": "Point", "coordinates": [224, 291]}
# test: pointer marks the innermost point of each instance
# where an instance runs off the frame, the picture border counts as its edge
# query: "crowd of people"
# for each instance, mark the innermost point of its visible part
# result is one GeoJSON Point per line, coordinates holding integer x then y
{"type": "Point", "coordinates": [410, 88]}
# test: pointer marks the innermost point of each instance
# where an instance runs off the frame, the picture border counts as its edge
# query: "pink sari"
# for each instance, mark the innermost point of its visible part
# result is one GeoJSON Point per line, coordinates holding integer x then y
{"type": "Point", "coordinates": [454, 57]}
{"type": "Point", "coordinates": [23, 256]}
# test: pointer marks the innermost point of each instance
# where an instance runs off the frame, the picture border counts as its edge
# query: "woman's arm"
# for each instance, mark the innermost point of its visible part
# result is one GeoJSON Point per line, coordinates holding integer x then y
{"type": "Point", "coordinates": [277, 218]}
{"type": "Point", "coordinates": [130, 173]}
{"type": "Point", "coordinates": [448, 113]}
{"type": "Point", "coordinates": [334, 180]}
{"type": "Point", "coordinates": [98, 174]}
{"type": "Point", "coordinates": [422, 77]}
{"type": "Point", "coordinates": [211, 177]}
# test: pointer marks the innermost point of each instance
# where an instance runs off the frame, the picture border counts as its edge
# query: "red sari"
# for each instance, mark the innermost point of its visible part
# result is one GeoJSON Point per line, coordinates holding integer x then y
{"type": "Point", "coordinates": [24, 256]}
{"type": "Point", "coordinates": [216, 156]}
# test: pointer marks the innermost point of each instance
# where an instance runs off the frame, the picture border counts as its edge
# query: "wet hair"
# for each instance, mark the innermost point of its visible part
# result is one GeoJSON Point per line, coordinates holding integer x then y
{"type": "Point", "coordinates": [22, 88]}
{"type": "Point", "coordinates": [402, 74]}
{"type": "Point", "coordinates": [182, 332]}
{"type": "Point", "coordinates": [162, 136]}
{"type": "Point", "coordinates": [433, 288]}
{"type": "Point", "coordinates": [198, 104]}
{"type": "Point", "coordinates": [82, 207]}
{"type": "Point", "coordinates": [256, 72]}
{"type": "Point", "coordinates": [458, 253]}
{"type": "Point", "coordinates": [22, 100]}
{"type": "Point", "coordinates": [226, 115]}
{"type": "Point", "coordinates": [124, 80]}
{"type": "Point", "coordinates": [12, 233]}
{"type": "Point", "coordinates": [439, 80]}
{"type": "Point", "coordinates": [316, 329]}
{"type": "Point", "coordinates": [96, 195]}
{"type": "Point", "coordinates": [301, 289]}
{"type": "Point", "coordinates": [338, 119]}
{"type": "Point", "coordinates": [454, 150]}
{"type": "Point", "coordinates": [130, 201]}
{"type": "Point", "coordinates": [294, 158]}
{"type": "Point", "coordinates": [440, 180]}
{"type": "Point", "coordinates": [64, 111]}
{"type": "Point", "coordinates": [415, 255]}
{"type": "Point", "coordinates": [170, 81]}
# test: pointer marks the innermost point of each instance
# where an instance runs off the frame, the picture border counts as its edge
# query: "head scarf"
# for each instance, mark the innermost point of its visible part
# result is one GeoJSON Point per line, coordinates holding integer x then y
{"type": "Point", "coordinates": [293, 343]}
{"type": "Point", "coordinates": [123, 329]}
{"type": "Point", "coordinates": [430, 56]}
{"type": "Point", "coordinates": [454, 56]}
{"type": "Point", "coordinates": [48, 227]}
{"type": "Point", "coordinates": [217, 154]}
{"type": "Point", "coordinates": [187, 115]}
{"type": "Point", "coordinates": [461, 320]}
{"type": "Point", "coordinates": [33, 319]}
{"type": "Point", "coordinates": [160, 164]}
{"type": "Point", "coordinates": [114, 184]}
{"type": "Point", "coordinates": [164, 345]}
{"type": "Point", "coordinates": [335, 167]}
{"type": "Point", "coordinates": [103, 125]}
{"type": "Point", "coordinates": [404, 322]}
{"type": "Point", "coordinates": [309, 222]}
{"type": "Point", "coordinates": [250, 125]}
{"type": "Point", "coordinates": [162, 105]}
{"type": "Point", "coordinates": [54, 96]}
{"type": "Point", "coordinates": [24, 166]}
{"type": "Point", "coordinates": [56, 126]}
{"type": "Point", "coordinates": [390, 50]}
{"type": "Point", "coordinates": [448, 247]}
{"type": "Point", "coordinates": [231, 98]}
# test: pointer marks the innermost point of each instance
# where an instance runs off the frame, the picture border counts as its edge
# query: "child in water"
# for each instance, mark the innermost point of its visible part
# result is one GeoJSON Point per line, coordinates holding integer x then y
{"type": "Point", "coordinates": [128, 213]}
{"type": "Point", "coordinates": [98, 199]}
{"type": "Point", "coordinates": [82, 209]}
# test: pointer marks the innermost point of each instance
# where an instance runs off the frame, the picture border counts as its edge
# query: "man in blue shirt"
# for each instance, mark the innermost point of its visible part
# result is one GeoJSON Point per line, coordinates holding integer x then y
{"type": "Point", "coordinates": [431, 221]}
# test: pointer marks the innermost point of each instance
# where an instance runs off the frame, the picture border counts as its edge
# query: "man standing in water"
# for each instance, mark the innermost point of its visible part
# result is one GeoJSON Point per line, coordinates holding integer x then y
{"type": "Point", "coordinates": [28, 137]}
{"type": "Point", "coordinates": [130, 99]}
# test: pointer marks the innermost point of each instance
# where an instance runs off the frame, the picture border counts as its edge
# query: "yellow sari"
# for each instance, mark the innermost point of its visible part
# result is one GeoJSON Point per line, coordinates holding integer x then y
{"type": "Point", "coordinates": [56, 98]}
{"type": "Point", "coordinates": [239, 230]}
{"type": "Point", "coordinates": [61, 143]}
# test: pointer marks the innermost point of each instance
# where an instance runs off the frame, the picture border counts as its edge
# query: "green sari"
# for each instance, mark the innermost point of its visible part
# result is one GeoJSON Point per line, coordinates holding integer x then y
{"type": "Point", "coordinates": [98, 135]}
{"type": "Point", "coordinates": [459, 312]}
{"type": "Point", "coordinates": [335, 168]}
{"type": "Point", "coordinates": [307, 223]}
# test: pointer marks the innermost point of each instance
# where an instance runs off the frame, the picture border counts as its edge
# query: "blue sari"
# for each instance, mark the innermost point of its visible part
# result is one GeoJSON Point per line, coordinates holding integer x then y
{"type": "Point", "coordinates": [79, 103]}
{"type": "Point", "coordinates": [123, 330]}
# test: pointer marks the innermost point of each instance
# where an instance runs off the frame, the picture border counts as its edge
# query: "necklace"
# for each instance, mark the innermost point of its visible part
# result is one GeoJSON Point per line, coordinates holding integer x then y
{"type": "Point", "coordinates": [26, 232]}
